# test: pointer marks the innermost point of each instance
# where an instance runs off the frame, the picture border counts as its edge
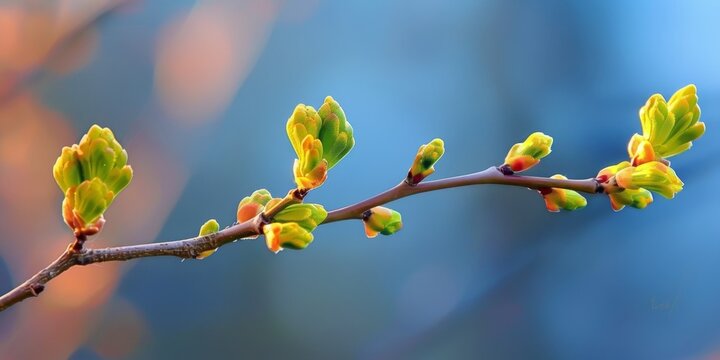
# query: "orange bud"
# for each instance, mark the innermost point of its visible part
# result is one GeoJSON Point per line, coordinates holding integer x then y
{"type": "Point", "coordinates": [644, 153]}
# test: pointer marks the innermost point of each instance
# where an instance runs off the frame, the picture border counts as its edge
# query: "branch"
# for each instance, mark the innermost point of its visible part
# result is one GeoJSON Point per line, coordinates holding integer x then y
{"type": "Point", "coordinates": [490, 175]}
{"type": "Point", "coordinates": [191, 248]}
{"type": "Point", "coordinates": [186, 249]}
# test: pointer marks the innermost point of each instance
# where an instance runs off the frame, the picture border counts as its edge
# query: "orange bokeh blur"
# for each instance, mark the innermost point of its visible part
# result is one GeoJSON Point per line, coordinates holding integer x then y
{"type": "Point", "coordinates": [203, 57]}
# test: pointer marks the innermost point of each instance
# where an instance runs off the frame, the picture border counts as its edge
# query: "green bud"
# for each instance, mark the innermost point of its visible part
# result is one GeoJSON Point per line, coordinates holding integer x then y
{"type": "Point", "coordinates": [66, 170]}
{"type": "Point", "coordinates": [209, 227]}
{"type": "Point", "coordinates": [91, 174]}
{"type": "Point", "coordinates": [310, 169]}
{"type": "Point", "coordinates": [303, 121]}
{"type": "Point", "coordinates": [425, 159]}
{"type": "Point", "coordinates": [657, 122]}
{"type": "Point", "coordinates": [381, 220]}
{"type": "Point", "coordinates": [99, 153]}
{"type": "Point", "coordinates": [524, 155]}
{"type": "Point", "coordinates": [654, 176]}
{"type": "Point", "coordinates": [672, 126]}
{"type": "Point", "coordinates": [118, 179]}
{"type": "Point", "coordinates": [96, 132]}
{"type": "Point", "coordinates": [96, 159]}
{"type": "Point", "coordinates": [279, 236]}
{"type": "Point", "coordinates": [682, 141]}
{"type": "Point", "coordinates": [637, 198]}
{"type": "Point", "coordinates": [557, 199]}
{"type": "Point", "coordinates": [92, 198]}
{"type": "Point", "coordinates": [260, 196]}
{"type": "Point", "coordinates": [336, 134]}
{"type": "Point", "coordinates": [84, 206]}
{"type": "Point", "coordinates": [320, 140]}
{"type": "Point", "coordinates": [308, 216]}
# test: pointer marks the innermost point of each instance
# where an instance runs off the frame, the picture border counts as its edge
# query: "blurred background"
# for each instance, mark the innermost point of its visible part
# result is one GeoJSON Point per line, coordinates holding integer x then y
{"type": "Point", "coordinates": [199, 92]}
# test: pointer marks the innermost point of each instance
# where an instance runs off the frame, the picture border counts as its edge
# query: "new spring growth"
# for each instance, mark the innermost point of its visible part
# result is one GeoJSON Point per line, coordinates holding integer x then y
{"type": "Point", "coordinates": [209, 227]}
{"type": "Point", "coordinates": [305, 216]}
{"type": "Point", "coordinates": [425, 159]}
{"type": "Point", "coordinates": [336, 134]}
{"type": "Point", "coordinates": [524, 155]}
{"type": "Point", "coordinates": [320, 140]}
{"type": "Point", "coordinates": [91, 174]}
{"type": "Point", "coordinates": [84, 205]}
{"type": "Point", "coordinates": [279, 236]}
{"type": "Point", "coordinates": [562, 199]}
{"type": "Point", "coordinates": [310, 170]}
{"type": "Point", "coordinates": [308, 216]}
{"type": "Point", "coordinates": [381, 220]}
{"type": "Point", "coordinates": [654, 176]}
{"type": "Point", "coordinates": [641, 151]}
{"type": "Point", "coordinates": [638, 198]}
{"type": "Point", "coordinates": [251, 206]}
{"type": "Point", "coordinates": [669, 128]}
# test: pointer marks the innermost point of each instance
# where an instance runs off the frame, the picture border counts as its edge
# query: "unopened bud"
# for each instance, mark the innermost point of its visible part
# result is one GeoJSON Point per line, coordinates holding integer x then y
{"type": "Point", "coordinates": [524, 155]}
{"type": "Point", "coordinates": [557, 199]}
{"type": "Point", "coordinates": [654, 176]}
{"type": "Point", "coordinates": [381, 220]}
{"type": "Point", "coordinates": [209, 227]}
{"type": "Point", "coordinates": [336, 134]}
{"type": "Point", "coordinates": [425, 159]}
{"type": "Point", "coordinates": [279, 236]}
{"type": "Point", "coordinates": [308, 216]}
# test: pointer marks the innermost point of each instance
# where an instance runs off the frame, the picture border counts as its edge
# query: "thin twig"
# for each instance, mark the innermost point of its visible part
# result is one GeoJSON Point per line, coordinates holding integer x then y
{"type": "Point", "coordinates": [186, 249]}
{"type": "Point", "coordinates": [191, 248]}
{"type": "Point", "coordinates": [488, 176]}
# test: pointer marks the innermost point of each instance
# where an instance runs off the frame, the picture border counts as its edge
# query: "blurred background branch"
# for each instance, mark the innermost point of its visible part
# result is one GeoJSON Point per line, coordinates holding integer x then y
{"type": "Point", "coordinates": [13, 81]}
